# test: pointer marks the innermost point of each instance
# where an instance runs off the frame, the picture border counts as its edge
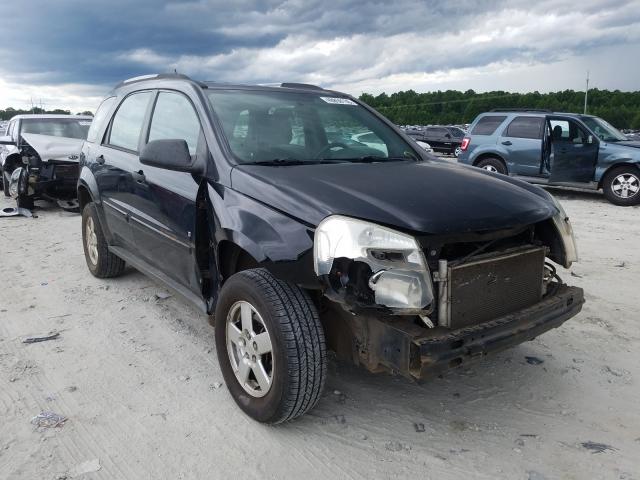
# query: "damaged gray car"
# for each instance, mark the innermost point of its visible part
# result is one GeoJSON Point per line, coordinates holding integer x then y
{"type": "Point", "coordinates": [39, 158]}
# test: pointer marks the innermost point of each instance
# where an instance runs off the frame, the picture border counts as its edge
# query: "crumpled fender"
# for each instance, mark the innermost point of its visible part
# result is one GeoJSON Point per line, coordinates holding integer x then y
{"type": "Point", "coordinates": [276, 241]}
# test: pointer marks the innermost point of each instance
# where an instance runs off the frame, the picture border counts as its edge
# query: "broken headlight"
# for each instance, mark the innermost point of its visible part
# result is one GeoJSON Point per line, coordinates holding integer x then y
{"type": "Point", "coordinates": [399, 273]}
{"type": "Point", "coordinates": [565, 230]}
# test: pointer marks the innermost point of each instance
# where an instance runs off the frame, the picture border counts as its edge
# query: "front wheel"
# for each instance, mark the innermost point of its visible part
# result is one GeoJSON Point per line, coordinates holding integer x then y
{"type": "Point", "coordinates": [621, 185]}
{"type": "Point", "coordinates": [5, 183]}
{"type": "Point", "coordinates": [270, 346]}
{"type": "Point", "coordinates": [25, 201]}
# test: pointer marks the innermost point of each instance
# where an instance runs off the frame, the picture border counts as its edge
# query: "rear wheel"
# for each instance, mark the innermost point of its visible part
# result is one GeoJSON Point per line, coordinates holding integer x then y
{"type": "Point", "coordinates": [101, 262]}
{"type": "Point", "coordinates": [270, 346]}
{"type": "Point", "coordinates": [621, 185]}
{"type": "Point", "coordinates": [457, 151]}
{"type": "Point", "coordinates": [492, 164]}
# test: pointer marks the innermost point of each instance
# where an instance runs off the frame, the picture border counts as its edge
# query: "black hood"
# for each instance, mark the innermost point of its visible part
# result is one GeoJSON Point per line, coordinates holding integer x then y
{"type": "Point", "coordinates": [431, 197]}
{"type": "Point", "coordinates": [629, 143]}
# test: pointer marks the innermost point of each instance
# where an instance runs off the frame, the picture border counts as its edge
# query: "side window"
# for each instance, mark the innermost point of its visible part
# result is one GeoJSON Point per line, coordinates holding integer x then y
{"type": "Point", "coordinates": [488, 125]}
{"type": "Point", "coordinates": [525, 127]}
{"type": "Point", "coordinates": [99, 119]}
{"type": "Point", "coordinates": [127, 122]}
{"type": "Point", "coordinates": [560, 130]}
{"type": "Point", "coordinates": [175, 118]}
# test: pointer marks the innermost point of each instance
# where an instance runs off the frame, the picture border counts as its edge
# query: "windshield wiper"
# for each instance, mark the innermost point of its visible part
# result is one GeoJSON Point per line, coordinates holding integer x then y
{"type": "Point", "coordinates": [375, 158]}
{"type": "Point", "coordinates": [284, 162]}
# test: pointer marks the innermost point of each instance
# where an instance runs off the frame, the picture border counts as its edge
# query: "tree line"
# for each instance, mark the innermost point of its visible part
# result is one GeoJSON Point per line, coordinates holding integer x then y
{"type": "Point", "coordinates": [452, 107]}
{"type": "Point", "coordinates": [9, 112]}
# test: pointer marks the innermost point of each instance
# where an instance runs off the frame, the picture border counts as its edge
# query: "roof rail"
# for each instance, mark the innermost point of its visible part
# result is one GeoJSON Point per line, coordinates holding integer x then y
{"type": "Point", "coordinates": [157, 76]}
{"type": "Point", "coordinates": [301, 85]}
{"type": "Point", "coordinates": [540, 110]}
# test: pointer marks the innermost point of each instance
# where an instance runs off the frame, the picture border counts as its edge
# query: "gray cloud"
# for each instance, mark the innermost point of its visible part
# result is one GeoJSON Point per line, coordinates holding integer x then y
{"type": "Point", "coordinates": [347, 43]}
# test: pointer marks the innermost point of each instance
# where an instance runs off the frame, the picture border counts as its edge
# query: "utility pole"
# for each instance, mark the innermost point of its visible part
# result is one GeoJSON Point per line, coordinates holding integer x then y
{"type": "Point", "coordinates": [586, 94]}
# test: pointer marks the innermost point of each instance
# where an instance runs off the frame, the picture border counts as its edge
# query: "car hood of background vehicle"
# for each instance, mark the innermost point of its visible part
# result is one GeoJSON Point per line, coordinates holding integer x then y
{"type": "Point", "coordinates": [430, 197]}
{"type": "Point", "coordinates": [50, 147]}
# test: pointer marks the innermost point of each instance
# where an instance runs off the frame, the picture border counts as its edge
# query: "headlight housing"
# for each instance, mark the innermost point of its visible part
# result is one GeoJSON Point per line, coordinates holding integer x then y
{"type": "Point", "coordinates": [563, 225]}
{"type": "Point", "coordinates": [400, 276]}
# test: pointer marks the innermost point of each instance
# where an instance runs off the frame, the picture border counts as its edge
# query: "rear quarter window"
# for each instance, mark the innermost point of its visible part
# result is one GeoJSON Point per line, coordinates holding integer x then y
{"type": "Point", "coordinates": [525, 127]}
{"type": "Point", "coordinates": [488, 125]}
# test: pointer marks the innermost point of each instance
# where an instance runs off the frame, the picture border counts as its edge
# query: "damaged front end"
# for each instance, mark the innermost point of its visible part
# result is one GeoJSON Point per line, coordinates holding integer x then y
{"type": "Point", "coordinates": [48, 169]}
{"type": "Point", "coordinates": [402, 298]}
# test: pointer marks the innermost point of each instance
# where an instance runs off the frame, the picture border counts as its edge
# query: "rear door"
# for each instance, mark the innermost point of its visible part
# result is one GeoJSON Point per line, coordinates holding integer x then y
{"type": "Point", "coordinates": [574, 152]}
{"type": "Point", "coordinates": [116, 160]}
{"type": "Point", "coordinates": [522, 140]}
{"type": "Point", "coordinates": [163, 211]}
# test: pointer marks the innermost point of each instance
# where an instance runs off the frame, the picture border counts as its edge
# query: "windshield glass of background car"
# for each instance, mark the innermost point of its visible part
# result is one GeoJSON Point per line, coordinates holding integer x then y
{"type": "Point", "coordinates": [604, 130]}
{"type": "Point", "coordinates": [57, 127]}
{"type": "Point", "coordinates": [265, 126]}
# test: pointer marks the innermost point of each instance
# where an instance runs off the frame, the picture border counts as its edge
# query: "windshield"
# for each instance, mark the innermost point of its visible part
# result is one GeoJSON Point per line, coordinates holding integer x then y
{"type": "Point", "coordinates": [278, 127]}
{"type": "Point", "coordinates": [57, 127]}
{"type": "Point", "coordinates": [604, 130]}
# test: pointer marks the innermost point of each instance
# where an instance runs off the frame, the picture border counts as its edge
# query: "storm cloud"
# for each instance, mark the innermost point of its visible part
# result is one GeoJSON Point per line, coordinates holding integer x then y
{"type": "Point", "coordinates": [73, 51]}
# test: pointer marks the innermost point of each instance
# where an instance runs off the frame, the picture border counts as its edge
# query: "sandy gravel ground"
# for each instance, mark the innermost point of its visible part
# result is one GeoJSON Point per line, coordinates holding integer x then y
{"type": "Point", "coordinates": [137, 378]}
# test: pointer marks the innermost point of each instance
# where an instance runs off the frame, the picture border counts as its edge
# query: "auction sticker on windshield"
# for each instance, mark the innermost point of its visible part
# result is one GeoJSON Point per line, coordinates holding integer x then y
{"type": "Point", "coordinates": [338, 101]}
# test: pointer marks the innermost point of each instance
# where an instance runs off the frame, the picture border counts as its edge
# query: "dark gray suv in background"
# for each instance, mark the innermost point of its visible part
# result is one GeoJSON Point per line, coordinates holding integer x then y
{"type": "Point", "coordinates": [247, 201]}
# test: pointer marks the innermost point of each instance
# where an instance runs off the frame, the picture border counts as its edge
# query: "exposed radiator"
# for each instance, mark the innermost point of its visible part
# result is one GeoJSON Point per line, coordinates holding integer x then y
{"type": "Point", "coordinates": [490, 286]}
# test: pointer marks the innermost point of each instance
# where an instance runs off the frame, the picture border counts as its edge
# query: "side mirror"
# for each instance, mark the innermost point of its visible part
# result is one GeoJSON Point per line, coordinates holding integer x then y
{"type": "Point", "coordinates": [168, 154]}
{"type": "Point", "coordinates": [6, 140]}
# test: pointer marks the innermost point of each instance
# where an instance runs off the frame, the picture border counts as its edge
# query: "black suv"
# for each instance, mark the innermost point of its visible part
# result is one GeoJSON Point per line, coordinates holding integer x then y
{"type": "Point", "coordinates": [241, 199]}
{"type": "Point", "coordinates": [442, 139]}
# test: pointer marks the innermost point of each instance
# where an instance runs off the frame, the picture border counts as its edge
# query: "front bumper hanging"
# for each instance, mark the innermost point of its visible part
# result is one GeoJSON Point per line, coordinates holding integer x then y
{"type": "Point", "coordinates": [399, 347]}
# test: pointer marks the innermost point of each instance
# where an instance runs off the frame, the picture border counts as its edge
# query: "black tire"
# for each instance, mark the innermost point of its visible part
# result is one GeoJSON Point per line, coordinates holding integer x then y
{"type": "Point", "coordinates": [493, 164]}
{"type": "Point", "coordinates": [25, 201]}
{"type": "Point", "coordinates": [297, 339]}
{"type": "Point", "coordinates": [5, 184]}
{"type": "Point", "coordinates": [613, 185]}
{"type": "Point", "coordinates": [107, 264]}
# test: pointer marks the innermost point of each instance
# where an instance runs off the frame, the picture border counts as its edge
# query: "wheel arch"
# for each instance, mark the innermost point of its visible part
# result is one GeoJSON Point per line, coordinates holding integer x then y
{"type": "Point", "coordinates": [11, 160]}
{"type": "Point", "coordinates": [614, 166]}
{"type": "Point", "coordinates": [232, 258]}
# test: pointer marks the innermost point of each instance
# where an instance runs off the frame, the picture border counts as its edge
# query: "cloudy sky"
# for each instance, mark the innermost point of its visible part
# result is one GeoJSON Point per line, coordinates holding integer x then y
{"type": "Point", "coordinates": [68, 53]}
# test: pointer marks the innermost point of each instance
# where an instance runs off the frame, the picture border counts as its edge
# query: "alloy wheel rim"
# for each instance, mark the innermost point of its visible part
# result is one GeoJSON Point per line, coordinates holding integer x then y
{"type": "Point", "coordinates": [250, 349]}
{"type": "Point", "coordinates": [92, 241]}
{"type": "Point", "coordinates": [625, 185]}
{"type": "Point", "coordinates": [458, 151]}
{"type": "Point", "coordinates": [490, 168]}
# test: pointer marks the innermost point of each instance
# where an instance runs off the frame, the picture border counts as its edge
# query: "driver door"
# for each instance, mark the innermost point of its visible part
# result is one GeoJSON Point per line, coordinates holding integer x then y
{"type": "Point", "coordinates": [574, 152]}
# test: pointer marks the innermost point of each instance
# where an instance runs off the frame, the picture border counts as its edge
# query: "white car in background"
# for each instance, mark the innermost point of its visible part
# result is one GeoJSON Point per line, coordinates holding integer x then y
{"type": "Point", "coordinates": [425, 145]}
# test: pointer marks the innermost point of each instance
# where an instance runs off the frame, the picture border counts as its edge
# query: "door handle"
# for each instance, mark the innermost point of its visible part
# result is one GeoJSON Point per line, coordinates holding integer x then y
{"type": "Point", "coordinates": [507, 143]}
{"type": "Point", "coordinates": [100, 159]}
